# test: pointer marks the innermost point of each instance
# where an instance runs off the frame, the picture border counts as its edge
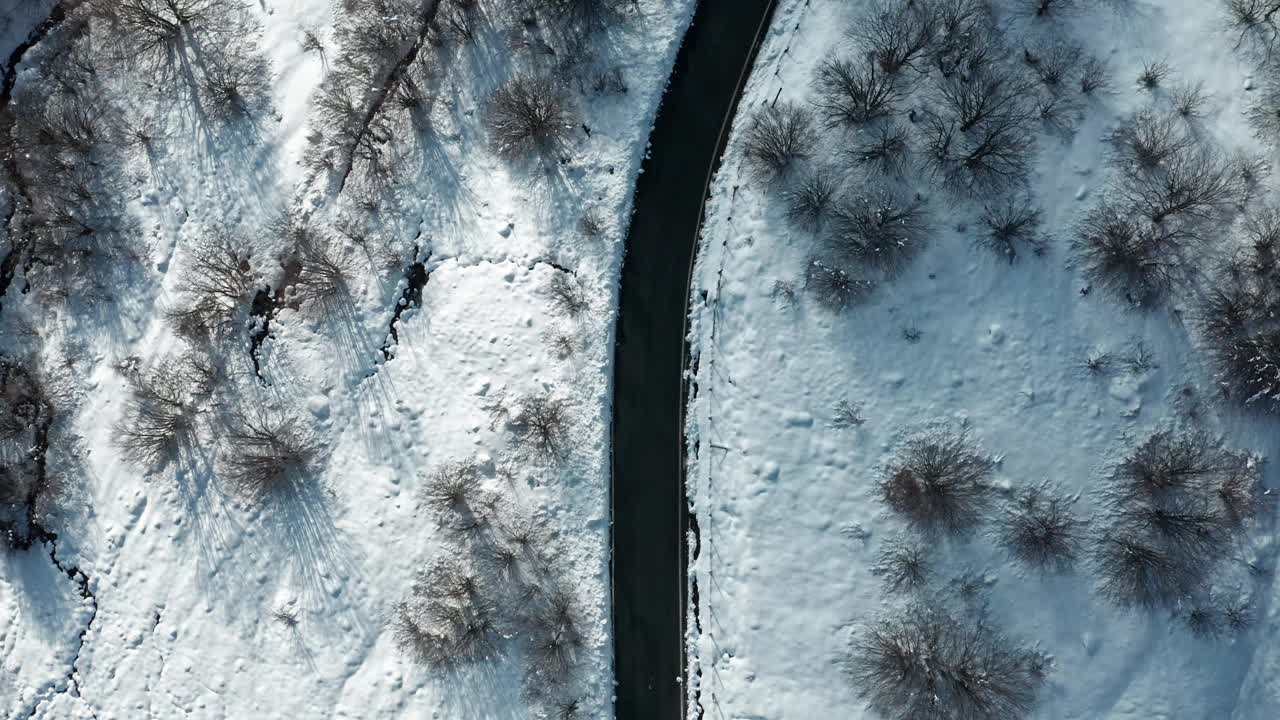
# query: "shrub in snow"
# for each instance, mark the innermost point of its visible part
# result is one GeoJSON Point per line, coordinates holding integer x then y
{"type": "Point", "coordinates": [1122, 252]}
{"type": "Point", "coordinates": [902, 565]}
{"type": "Point", "coordinates": [939, 482]}
{"type": "Point", "coordinates": [592, 223]}
{"type": "Point", "coordinates": [448, 619]}
{"type": "Point", "coordinates": [1009, 226]}
{"type": "Point", "coordinates": [160, 413]}
{"type": "Point", "coordinates": [991, 155]}
{"type": "Point", "coordinates": [27, 491]}
{"type": "Point", "coordinates": [580, 16]}
{"type": "Point", "coordinates": [847, 414]}
{"type": "Point", "coordinates": [1054, 63]}
{"type": "Point", "coordinates": [1238, 311]}
{"type": "Point", "coordinates": [777, 136]}
{"type": "Point", "coordinates": [990, 94]}
{"type": "Point", "coordinates": [154, 29]}
{"type": "Point", "coordinates": [1134, 572]}
{"type": "Point", "coordinates": [235, 86]}
{"type": "Point", "coordinates": [266, 455]}
{"type": "Point", "coordinates": [455, 21]}
{"type": "Point", "coordinates": [567, 296]}
{"type": "Point", "coordinates": [878, 230]}
{"type": "Point", "coordinates": [527, 116]}
{"type": "Point", "coordinates": [809, 200]}
{"type": "Point", "coordinates": [1153, 73]}
{"type": "Point", "coordinates": [541, 425]}
{"type": "Point", "coordinates": [897, 33]}
{"type": "Point", "coordinates": [1050, 8]}
{"type": "Point", "coordinates": [850, 92]}
{"type": "Point", "coordinates": [1094, 75]}
{"type": "Point", "coordinates": [1254, 21]}
{"type": "Point", "coordinates": [554, 635]}
{"type": "Point", "coordinates": [452, 488]}
{"type": "Point", "coordinates": [923, 662]}
{"type": "Point", "coordinates": [886, 148]}
{"type": "Point", "coordinates": [323, 278]}
{"type": "Point", "coordinates": [1040, 530]}
{"type": "Point", "coordinates": [1189, 99]}
{"type": "Point", "coordinates": [833, 286]}
{"type": "Point", "coordinates": [1151, 139]}
{"type": "Point", "coordinates": [1172, 508]}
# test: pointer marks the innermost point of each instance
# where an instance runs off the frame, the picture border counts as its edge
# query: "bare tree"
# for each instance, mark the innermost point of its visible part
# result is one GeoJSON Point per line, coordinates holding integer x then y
{"type": "Point", "coordinates": [266, 455]}
{"type": "Point", "coordinates": [1121, 251]}
{"type": "Point", "coordinates": [993, 155]}
{"type": "Point", "coordinates": [1150, 140]}
{"type": "Point", "coordinates": [835, 287]}
{"type": "Point", "coordinates": [160, 413]}
{"type": "Point", "coordinates": [897, 33]}
{"type": "Point", "coordinates": [888, 149]}
{"type": "Point", "coordinates": [851, 92]}
{"type": "Point", "coordinates": [541, 425]}
{"type": "Point", "coordinates": [809, 201]}
{"type": "Point", "coordinates": [1009, 226]}
{"type": "Point", "coordinates": [879, 231]}
{"type": "Point", "coordinates": [902, 565]}
{"type": "Point", "coordinates": [777, 136]}
{"type": "Point", "coordinates": [529, 115]}
{"type": "Point", "coordinates": [567, 296]}
{"type": "Point", "coordinates": [1039, 529]}
{"type": "Point", "coordinates": [1255, 23]}
{"type": "Point", "coordinates": [1054, 63]}
{"type": "Point", "coordinates": [938, 482]}
{"type": "Point", "coordinates": [922, 662]}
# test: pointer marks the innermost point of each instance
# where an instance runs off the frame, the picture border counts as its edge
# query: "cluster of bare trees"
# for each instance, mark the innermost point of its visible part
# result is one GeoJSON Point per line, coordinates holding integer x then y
{"type": "Point", "coordinates": [205, 49]}
{"type": "Point", "coordinates": [931, 93]}
{"type": "Point", "coordinates": [925, 662]}
{"type": "Point", "coordinates": [1171, 510]}
{"type": "Point", "coordinates": [68, 230]}
{"type": "Point", "coordinates": [496, 586]}
{"type": "Point", "coordinates": [1169, 516]}
{"type": "Point", "coordinates": [1237, 314]}
{"type": "Point", "coordinates": [29, 492]}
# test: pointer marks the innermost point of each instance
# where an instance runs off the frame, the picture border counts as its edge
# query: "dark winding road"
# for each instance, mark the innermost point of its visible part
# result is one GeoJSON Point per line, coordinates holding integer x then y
{"type": "Point", "coordinates": [650, 512]}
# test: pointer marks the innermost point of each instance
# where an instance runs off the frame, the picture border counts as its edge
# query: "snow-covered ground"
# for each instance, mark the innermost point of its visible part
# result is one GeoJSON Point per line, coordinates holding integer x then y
{"type": "Point", "coordinates": [178, 597]}
{"type": "Point", "coordinates": [790, 518]}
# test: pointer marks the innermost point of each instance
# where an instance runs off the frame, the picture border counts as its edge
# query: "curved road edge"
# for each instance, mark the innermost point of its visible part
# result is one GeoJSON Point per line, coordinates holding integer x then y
{"type": "Point", "coordinates": [650, 509]}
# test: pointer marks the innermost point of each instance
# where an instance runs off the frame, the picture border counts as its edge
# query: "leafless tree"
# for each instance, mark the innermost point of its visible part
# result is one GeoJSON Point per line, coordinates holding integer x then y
{"type": "Point", "coordinates": [887, 149]}
{"type": "Point", "coordinates": [939, 482]}
{"type": "Point", "coordinates": [160, 413]}
{"type": "Point", "coordinates": [1014, 224]}
{"type": "Point", "coordinates": [1039, 529]}
{"type": "Point", "coordinates": [1255, 23]}
{"type": "Point", "coordinates": [1054, 63]}
{"type": "Point", "coordinates": [777, 136]}
{"type": "Point", "coordinates": [810, 200]}
{"type": "Point", "coordinates": [851, 92]}
{"type": "Point", "coordinates": [567, 296]}
{"type": "Point", "coordinates": [902, 565]}
{"type": "Point", "coordinates": [1153, 73]}
{"type": "Point", "coordinates": [266, 455]}
{"type": "Point", "coordinates": [897, 33]}
{"type": "Point", "coordinates": [922, 662]}
{"type": "Point", "coordinates": [833, 286]}
{"type": "Point", "coordinates": [541, 425]}
{"type": "Point", "coordinates": [529, 115]}
{"type": "Point", "coordinates": [878, 230]}
{"type": "Point", "coordinates": [992, 155]}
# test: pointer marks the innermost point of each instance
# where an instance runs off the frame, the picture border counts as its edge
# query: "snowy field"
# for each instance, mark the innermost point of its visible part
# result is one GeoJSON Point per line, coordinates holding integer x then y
{"type": "Point", "coordinates": [307, 355]}
{"type": "Point", "coordinates": [889, 313]}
